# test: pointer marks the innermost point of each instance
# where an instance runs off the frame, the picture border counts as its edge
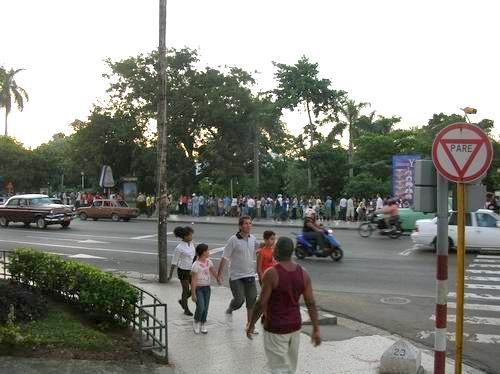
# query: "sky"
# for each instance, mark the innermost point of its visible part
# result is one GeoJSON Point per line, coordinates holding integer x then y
{"type": "Point", "coordinates": [407, 58]}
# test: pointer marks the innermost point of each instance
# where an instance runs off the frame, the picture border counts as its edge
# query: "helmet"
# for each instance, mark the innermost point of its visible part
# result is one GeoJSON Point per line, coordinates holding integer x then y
{"type": "Point", "coordinates": [310, 212]}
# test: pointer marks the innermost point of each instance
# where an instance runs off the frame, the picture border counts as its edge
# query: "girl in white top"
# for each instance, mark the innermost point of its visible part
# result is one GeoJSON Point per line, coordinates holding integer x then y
{"type": "Point", "coordinates": [200, 286]}
{"type": "Point", "coordinates": [183, 260]}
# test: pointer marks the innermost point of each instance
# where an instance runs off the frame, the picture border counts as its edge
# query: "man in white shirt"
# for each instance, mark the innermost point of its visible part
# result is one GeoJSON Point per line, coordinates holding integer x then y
{"type": "Point", "coordinates": [350, 210]}
{"type": "Point", "coordinates": [240, 251]}
{"type": "Point", "coordinates": [343, 208]}
{"type": "Point", "coordinates": [251, 207]}
{"type": "Point", "coordinates": [380, 203]}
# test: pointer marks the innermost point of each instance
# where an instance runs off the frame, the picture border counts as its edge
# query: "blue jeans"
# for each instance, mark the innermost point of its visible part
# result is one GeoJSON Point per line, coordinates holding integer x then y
{"type": "Point", "coordinates": [202, 302]}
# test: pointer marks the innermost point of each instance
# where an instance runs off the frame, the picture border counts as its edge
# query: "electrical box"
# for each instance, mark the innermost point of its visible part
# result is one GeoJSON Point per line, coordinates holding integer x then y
{"type": "Point", "coordinates": [425, 199]}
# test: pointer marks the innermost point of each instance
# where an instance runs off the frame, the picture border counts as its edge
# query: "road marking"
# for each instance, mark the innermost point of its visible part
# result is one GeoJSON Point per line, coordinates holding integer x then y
{"type": "Point", "coordinates": [482, 287]}
{"type": "Point", "coordinates": [472, 338]}
{"type": "Point", "coordinates": [483, 266]}
{"type": "Point", "coordinates": [453, 295]}
{"type": "Point", "coordinates": [58, 254]}
{"type": "Point", "coordinates": [81, 255]}
{"type": "Point", "coordinates": [483, 271]}
{"type": "Point", "coordinates": [488, 256]}
{"type": "Point", "coordinates": [483, 279]}
{"type": "Point", "coordinates": [78, 247]}
{"type": "Point", "coordinates": [474, 320]}
{"type": "Point", "coordinates": [149, 236]}
{"type": "Point", "coordinates": [216, 250]}
{"type": "Point", "coordinates": [407, 252]}
{"type": "Point", "coordinates": [484, 307]}
{"type": "Point", "coordinates": [90, 241]}
{"type": "Point", "coordinates": [86, 241]}
{"type": "Point", "coordinates": [486, 261]}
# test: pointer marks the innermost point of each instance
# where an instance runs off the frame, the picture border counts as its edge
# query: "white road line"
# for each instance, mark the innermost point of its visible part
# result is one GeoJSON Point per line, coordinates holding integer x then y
{"type": "Point", "coordinates": [488, 256]}
{"type": "Point", "coordinates": [474, 296]}
{"type": "Point", "coordinates": [78, 247]}
{"type": "Point", "coordinates": [82, 255]}
{"type": "Point", "coordinates": [407, 252]}
{"type": "Point", "coordinates": [482, 286]}
{"type": "Point", "coordinates": [145, 236]}
{"type": "Point", "coordinates": [483, 266]}
{"type": "Point", "coordinates": [474, 320]}
{"type": "Point", "coordinates": [472, 338]}
{"type": "Point", "coordinates": [484, 307]}
{"type": "Point", "coordinates": [483, 279]}
{"type": "Point", "coordinates": [482, 271]}
{"type": "Point", "coordinates": [216, 250]}
{"type": "Point", "coordinates": [481, 260]}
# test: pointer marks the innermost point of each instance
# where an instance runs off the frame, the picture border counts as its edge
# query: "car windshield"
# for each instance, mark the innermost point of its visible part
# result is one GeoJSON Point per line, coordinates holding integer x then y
{"type": "Point", "coordinates": [41, 201]}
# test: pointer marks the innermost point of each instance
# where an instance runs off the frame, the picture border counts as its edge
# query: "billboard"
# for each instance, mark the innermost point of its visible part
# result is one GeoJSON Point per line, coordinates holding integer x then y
{"type": "Point", "coordinates": [403, 178]}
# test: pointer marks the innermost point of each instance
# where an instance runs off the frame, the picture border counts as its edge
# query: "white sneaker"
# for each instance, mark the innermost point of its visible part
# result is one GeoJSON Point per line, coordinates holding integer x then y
{"type": "Point", "coordinates": [196, 327]}
{"type": "Point", "coordinates": [203, 329]}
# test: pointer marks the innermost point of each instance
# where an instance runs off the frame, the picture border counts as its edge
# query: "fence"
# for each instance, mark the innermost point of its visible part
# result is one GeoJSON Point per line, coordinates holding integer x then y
{"type": "Point", "coordinates": [150, 320]}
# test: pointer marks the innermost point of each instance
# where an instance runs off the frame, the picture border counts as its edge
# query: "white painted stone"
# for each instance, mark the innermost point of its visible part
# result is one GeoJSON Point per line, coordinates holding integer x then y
{"type": "Point", "coordinates": [401, 358]}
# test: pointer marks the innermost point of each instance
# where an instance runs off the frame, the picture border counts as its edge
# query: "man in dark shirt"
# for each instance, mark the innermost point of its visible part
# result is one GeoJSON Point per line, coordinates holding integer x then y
{"type": "Point", "coordinates": [313, 230]}
{"type": "Point", "coordinates": [282, 286]}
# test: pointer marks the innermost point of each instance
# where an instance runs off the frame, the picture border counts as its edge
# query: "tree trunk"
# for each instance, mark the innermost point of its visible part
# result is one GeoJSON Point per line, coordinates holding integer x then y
{"type": "Point", "coordinates": [311, 137]}
{"type": "Point", "coordinates": [6, 115]}
{"type": "Point", "coordinates": [351, 170]}
{"type": "Point", "coordinates": [162, 148]}
{"type": "Point", "coordinates": [256, 175]}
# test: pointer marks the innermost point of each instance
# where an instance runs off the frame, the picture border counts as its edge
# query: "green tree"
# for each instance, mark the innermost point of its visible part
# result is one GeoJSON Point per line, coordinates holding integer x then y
{"type": "Point", "coordinates": [299, 85]}
{"type": "Point", "coordinates": [11, 92]}
{"type": "Point", "coordinates": [351, 112]}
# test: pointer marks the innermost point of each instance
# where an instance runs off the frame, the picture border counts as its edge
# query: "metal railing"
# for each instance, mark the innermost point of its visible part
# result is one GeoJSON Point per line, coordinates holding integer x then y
{"type": "Point", "coordinates": [150, 317]}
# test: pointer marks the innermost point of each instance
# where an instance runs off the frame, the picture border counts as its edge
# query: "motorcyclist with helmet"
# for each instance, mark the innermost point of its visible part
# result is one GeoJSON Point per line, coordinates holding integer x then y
{"type": "Point", "coordinates": [313, 230]}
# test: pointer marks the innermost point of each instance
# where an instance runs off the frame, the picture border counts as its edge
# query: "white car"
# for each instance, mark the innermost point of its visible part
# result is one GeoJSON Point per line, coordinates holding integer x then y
{"type": "Point", "coordinates": [482, 230]}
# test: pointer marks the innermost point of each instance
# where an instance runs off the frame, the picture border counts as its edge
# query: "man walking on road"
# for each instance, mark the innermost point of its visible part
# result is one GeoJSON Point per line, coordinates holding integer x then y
{"type": "Point", "coordinates": [282, 287]}
{"type": "Point", "coordinates": [240, 251]}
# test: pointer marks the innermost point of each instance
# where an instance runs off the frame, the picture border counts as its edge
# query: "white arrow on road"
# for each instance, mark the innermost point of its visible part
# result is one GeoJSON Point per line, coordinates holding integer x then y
{"type": "Point", "coordinates": [81, 255]}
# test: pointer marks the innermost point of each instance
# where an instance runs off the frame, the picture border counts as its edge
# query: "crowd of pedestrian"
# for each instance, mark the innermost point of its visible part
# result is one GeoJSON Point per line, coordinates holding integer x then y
{"type": "Point", "coordinates": [282, 284]}
{"type": "Point", "coordinates": [280, 207]}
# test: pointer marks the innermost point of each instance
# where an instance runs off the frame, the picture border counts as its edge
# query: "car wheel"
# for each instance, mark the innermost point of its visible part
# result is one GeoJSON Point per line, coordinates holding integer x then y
{"type": "Point", "coordinates": [4, 222]}
{"type": "Point", "coordinates": [83, 216]}
{"type": "Point", "coordinates": [40, 223]}
{"type": "Point", "coordinates": [115, 217]}
{"type": "Point", "coordinates": [65, 224]}
{"type": "Point", "coordinates": [451, 245]}
{"type": "Point", "coordinates": [95, 219]}
{"type": "Point", "coordinates": [27, 224]}
{"type": "Point", "coordinates": [126, 219]}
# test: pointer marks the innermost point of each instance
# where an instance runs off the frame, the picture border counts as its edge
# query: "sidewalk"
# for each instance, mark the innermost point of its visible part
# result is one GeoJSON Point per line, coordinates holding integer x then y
{"type": "Point", "coordinates": [348, 347]}
{"type": "Point", "coordinates": [233, 221]}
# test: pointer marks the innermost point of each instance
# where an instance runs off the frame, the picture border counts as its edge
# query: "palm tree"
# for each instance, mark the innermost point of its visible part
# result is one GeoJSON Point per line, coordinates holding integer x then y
{"type": "Point", "coordinates": [11, 92]}
{"type": "Point", "coordinates": [351, 113]}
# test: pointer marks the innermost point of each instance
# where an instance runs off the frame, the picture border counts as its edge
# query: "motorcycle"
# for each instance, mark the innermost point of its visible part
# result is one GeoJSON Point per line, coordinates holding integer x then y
{"type": "Point", "coordinates": [308, 248]}
{"type": "Point", "coordinates": [376, 223]}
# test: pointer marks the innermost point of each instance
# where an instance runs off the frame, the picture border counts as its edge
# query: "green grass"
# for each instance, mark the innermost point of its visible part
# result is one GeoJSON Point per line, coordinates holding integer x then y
{"type": "Point", "coordinates": [63, 329]}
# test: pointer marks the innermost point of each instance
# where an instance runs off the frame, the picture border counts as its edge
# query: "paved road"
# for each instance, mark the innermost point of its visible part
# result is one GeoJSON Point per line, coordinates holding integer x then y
{"type": "Point", "coordinates": [383, 282]}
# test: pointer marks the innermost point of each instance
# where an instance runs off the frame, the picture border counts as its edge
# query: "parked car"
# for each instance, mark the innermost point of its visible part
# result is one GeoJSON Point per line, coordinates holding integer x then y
{"type": "Point", "coordinates": [482, 230]}
{"type": "Point", "coordinates": [35, 208]}
{"type": "Point", "coordinates": [56, 200]}
{"type": "Point", "coordinates": [106, 208]}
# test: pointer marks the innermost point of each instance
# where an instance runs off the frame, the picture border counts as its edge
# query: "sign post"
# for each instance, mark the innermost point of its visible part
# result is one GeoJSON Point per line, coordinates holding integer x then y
{"type": "Point", "coordinates": [462, 153]}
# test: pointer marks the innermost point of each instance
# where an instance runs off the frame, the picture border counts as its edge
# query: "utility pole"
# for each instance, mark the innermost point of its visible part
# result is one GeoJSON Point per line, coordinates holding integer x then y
{"type": "Point", "coordinates": [162, 146]}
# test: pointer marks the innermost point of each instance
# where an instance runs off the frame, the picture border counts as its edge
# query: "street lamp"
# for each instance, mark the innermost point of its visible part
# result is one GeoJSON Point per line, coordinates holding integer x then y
{"type": "Point", "coordinates": [83, 180]}
{"type": "Point", "coordinates": [468, 110]}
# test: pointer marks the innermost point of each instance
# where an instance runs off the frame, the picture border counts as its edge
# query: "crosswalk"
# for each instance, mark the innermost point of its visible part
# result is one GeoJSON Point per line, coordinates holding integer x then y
{"type": "Point", "coordinates": [481, 303]}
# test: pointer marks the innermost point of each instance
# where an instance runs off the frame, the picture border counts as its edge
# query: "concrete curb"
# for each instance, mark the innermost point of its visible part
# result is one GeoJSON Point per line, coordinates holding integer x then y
{"type": "Point", "coordinates": [255, 223]}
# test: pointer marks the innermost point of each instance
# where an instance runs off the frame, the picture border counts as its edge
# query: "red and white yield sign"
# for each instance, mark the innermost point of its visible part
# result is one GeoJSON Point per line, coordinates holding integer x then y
{"type": "Point", "coordinates": [462, 152]}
